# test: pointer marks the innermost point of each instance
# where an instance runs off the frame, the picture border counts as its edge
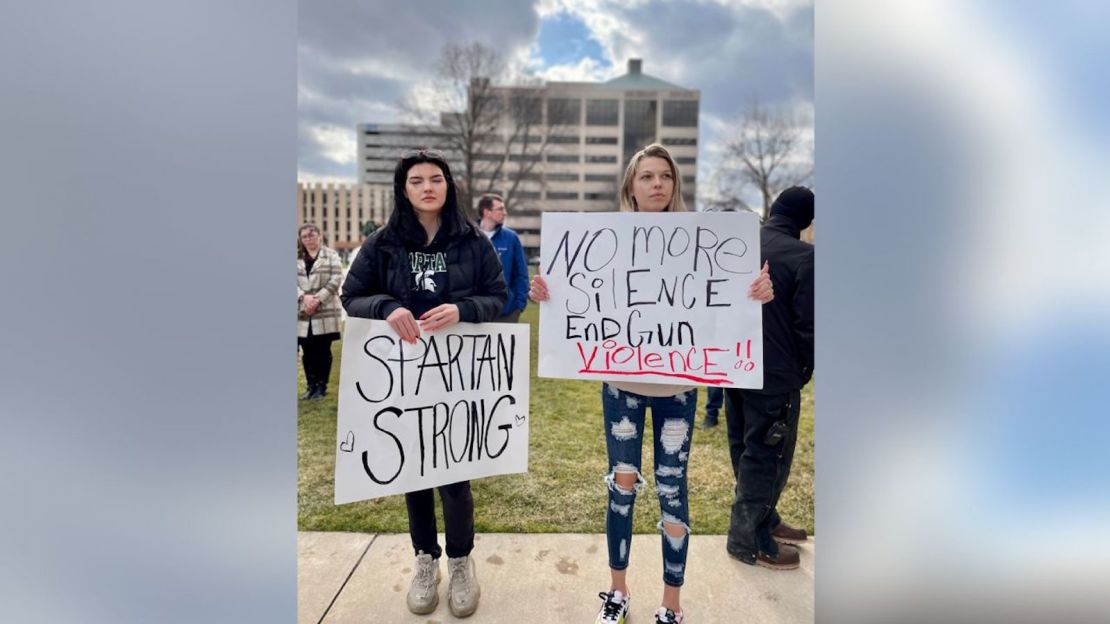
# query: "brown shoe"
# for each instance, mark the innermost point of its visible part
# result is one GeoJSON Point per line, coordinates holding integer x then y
{"type": "Point", "coordinates": [788, 559]}
{"type": "Point", "coordinates": [787, 534]}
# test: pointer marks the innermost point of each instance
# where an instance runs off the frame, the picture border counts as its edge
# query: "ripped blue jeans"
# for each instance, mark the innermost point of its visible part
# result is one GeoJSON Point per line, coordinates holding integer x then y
{"type": "Point", "coordinates": [672, 418]}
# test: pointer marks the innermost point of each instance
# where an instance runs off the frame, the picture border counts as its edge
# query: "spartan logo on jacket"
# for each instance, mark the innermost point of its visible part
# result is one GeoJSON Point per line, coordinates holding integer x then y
{"type": "Point", "coordinates": [424, 268]}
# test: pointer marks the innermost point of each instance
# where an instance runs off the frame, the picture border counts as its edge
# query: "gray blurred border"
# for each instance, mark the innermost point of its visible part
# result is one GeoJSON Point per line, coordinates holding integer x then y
{"type": "Point", "coordinates": [149, 444]}
{"type": "Point", "coordinates": [962, 342]}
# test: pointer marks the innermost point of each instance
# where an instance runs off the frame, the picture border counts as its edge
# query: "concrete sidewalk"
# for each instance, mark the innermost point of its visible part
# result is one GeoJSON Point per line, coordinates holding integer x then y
{"type": "Point", "coordinates": [358, 577]}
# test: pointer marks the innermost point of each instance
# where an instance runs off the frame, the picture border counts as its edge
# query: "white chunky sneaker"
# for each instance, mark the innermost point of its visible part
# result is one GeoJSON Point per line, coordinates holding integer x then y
{"type": "Point", "coordinates": [423, 597]}
{"type": "Point", "coordinates": [663, 615]}
{"type": "Point", "coordinates": [614, 608]}
{"type": "Point", "coordinates": [462, 588]}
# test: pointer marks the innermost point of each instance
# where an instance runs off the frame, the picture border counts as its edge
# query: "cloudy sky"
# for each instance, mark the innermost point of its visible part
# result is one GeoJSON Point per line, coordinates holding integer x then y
{"type": "Point", "coordinates": [357, 59]}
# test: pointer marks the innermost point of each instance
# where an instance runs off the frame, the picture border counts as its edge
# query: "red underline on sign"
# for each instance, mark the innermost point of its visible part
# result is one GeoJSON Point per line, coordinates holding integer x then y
{"type": "Point", "coordinates": [702, 380]}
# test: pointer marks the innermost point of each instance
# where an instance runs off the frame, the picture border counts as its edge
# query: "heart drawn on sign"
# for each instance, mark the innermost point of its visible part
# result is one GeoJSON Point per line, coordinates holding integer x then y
{"type": "Point", "coordinates": [348, 445]}
{"type": "Point", "coordinates": [519, 420]}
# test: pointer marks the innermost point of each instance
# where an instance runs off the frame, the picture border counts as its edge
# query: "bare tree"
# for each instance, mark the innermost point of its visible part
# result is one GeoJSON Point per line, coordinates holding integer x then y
{"type": "Point", "coordinates": [496, 135]}
{"type": "Point", "coordinates": [766, 151]}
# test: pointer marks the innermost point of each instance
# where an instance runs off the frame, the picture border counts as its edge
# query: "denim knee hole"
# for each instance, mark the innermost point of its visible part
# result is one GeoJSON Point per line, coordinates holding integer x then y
{"type": "Point", "coordinates": [624, 430]}
{"type": "Point", "coordinates": [674, 434]}
{"type": "Point", "coordinates": [675, 542]}
{"type": "Point", "coordinates": [617, 488]}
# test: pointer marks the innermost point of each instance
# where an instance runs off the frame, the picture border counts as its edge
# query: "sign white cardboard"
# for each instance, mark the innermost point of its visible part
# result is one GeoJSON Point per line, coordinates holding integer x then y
{"type": "Point", "coordinates": [450, 408]}
{"type": "Point", "coordinates": [656, 298]}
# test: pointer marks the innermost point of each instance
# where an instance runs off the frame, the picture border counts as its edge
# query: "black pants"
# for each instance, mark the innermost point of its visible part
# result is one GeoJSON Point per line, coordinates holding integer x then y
{"type": "Point", "coordinates": [714, 397]}
{"type": "Point", "coordinates": [761, 464]}
{"type": "Point", "coordinates": [316, 358]}
{"type": "Point", "coordinates": [458, 518]}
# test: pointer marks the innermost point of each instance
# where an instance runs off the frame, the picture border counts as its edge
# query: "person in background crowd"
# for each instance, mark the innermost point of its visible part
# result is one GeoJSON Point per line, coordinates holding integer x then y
{"type": "Point", "coordinates": [763, 424]}
{"type": "Point", "coordinates": [319, 272]}
{"type": "Point", "coordinates": [714, 398]}
{"type": "Point", "coordinates": [491, 214]}
{"type": "Point", "coordinates": [426, 270]}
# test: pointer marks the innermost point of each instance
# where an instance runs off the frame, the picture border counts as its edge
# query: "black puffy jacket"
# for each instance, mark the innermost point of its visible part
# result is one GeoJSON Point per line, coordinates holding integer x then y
{"type": "Point", "coordinates": [381, 278]}
{"type": "Point", "coordinates": [788, 319]}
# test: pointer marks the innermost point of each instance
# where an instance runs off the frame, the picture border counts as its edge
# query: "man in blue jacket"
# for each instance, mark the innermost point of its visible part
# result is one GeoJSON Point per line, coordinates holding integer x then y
{"type": "Point", "coordinates": [491, 214]}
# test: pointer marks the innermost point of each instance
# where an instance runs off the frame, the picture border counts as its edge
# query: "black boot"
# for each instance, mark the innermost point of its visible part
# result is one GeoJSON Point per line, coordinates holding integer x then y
{"type": "Point", "coordinates": [311, 384]}
{"type": "Point", "coordinates": [321, 390]}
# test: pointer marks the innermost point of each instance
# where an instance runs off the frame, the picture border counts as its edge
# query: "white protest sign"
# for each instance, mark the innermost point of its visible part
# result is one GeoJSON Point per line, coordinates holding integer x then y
{"type": "Point", "coordinates": [656, 298]}
{"type": "Point", "coordinates": [450, 408]}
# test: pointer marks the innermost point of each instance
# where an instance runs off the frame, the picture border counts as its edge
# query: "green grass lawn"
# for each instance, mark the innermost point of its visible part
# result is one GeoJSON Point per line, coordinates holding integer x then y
{"type": "Point", "coordinates": [563, 491]}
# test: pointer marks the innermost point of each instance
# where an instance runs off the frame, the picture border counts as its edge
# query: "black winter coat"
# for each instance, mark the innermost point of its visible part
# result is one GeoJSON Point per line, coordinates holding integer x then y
{"type": "Point", "coordinates": [381, 279]}
{"type": "Point", "coordinates": [788, 318]}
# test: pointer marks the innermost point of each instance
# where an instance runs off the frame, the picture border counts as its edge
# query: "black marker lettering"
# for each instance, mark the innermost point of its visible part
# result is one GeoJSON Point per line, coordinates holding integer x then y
{"type": "Point", "coordinates": [506, 427]}
{"type": "Point", "coordinates": [400, 449]}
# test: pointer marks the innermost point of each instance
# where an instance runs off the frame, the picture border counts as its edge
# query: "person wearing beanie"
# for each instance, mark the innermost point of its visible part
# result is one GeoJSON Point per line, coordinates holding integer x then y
{"type": "Point", "coordinates": [763, 424]}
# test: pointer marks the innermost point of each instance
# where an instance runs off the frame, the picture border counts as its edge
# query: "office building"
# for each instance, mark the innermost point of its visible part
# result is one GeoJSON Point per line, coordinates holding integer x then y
{"type": "Point", "coordinates": [588, 130]}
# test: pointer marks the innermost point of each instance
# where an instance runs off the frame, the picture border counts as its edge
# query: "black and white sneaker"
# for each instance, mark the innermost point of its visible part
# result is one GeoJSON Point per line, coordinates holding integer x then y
{"type": "Point", "coordinates": [666, 616]}
{"type": "Point", "coordinates": [614, 609]}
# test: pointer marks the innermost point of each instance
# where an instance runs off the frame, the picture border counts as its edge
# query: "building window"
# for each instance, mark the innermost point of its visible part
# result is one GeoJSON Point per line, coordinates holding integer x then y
{"type": "Point", "coordinates": [601, 177]}
{"type": "Point", "coordinates": [526, 109]}
{"type": "Point", "coordinates": [685, 160]}
{"type": "Point", "coordinates": [602, 112]}
{"type": "Point", "coordinates": [524, 157]}
{"type": "Point", "coordinates": [678, 141]}
{"type": "Point", "coordinates": [526, 195]}
{"type": "Point", "coordinates": [597, 196]}
{"type": "Point", "coordinates": [561, 195]}
{"type": "Point", "coordinates": [564, 111]}
{"type": "Point", "coordinates": [560, 138]}
{"type": "Point", "coordinates": [680, 113]}
{"type": "Point", "coordinates": [562, 158]}
{"type": "Point", "coordinates": [562, 177]}
{"type": "Point", "coordinates": [601, 140]}
{"type": "Point", "coordinates": [639, 126]}
{"type": "Point", "coordinates": [601, 159]}
{"type": "Point", "coordinates": [687, 179]}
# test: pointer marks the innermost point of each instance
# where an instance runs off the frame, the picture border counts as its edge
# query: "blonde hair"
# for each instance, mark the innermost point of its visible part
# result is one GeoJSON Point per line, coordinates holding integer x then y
{"type": "Point", "coordinates": [655, 150]}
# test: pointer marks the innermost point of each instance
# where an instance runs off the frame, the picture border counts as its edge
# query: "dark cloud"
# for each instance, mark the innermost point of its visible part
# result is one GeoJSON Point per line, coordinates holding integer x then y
{"type": "Point", "coordinates": [333, 93]}
{"type": "Point", "coordinates": [312, 160]}
{"type": "Point", "coordinates": [399, 42]}
{"type": "Point", "coordinates": [410, 34]}
{"type": "Point", "coordinates": [730, 55]}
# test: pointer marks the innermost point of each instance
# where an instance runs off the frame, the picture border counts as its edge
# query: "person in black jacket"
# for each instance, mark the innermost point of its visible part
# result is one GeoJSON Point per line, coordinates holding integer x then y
{"type": "Point", "coordinates": [428, 269]}
{"type": "Point", "coordinates": [763, 424]}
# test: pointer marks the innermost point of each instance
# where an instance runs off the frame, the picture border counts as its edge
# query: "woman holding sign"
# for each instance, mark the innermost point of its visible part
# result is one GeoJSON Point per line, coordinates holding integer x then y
{"type": "Point", "coordinates": [651, 184]}
{"type": "Point", "coordinates": [428, 269]}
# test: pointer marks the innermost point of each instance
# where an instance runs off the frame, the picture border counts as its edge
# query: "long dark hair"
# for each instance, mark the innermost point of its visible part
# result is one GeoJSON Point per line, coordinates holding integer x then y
{"type": "Point", "coordinates": [403, 223]}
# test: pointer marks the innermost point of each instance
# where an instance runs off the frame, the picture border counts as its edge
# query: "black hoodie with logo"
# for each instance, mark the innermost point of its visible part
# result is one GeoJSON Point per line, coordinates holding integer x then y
{"type": "Point", "coordinates": [459, 267]}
